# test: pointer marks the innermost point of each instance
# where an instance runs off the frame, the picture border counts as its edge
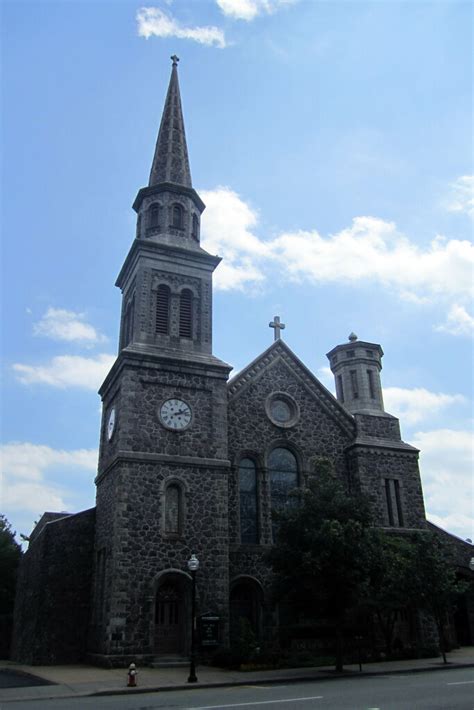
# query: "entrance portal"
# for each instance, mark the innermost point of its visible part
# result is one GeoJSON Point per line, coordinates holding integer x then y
{"type": "Point", "coordinates": [169, 618]}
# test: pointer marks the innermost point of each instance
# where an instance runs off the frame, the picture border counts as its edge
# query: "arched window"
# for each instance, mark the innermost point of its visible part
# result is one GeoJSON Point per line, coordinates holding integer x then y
{"type": "Point", "coordinates": [186, 314]}
{"type": "Point", "coordinates": [177, 220]}
{"type": "Point", "coordinates": [154, 215]}
{"type": "Point", "coordinates": [128, 322]}
{"type": "Point", "coordinates": [173, 509]}
{"type": "Point", "coordinates": [248, 502]}
{"type": "Point", "coordinates": [283, 471]}
{"type": "Point", "coordinates": [162, 321]}
{"type": "Point", "coordinates": [195, 231]}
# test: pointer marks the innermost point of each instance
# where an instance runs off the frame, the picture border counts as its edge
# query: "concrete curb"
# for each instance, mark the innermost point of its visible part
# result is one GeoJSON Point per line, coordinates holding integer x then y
{"type": "Point", "coordinates": [325, 675]}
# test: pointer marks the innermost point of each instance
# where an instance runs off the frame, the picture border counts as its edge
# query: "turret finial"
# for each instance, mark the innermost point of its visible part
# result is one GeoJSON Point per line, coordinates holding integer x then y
{"type": "Point", "coordinates": [175, 60]}
{"type": "Point", "coordinates": [352, 337]}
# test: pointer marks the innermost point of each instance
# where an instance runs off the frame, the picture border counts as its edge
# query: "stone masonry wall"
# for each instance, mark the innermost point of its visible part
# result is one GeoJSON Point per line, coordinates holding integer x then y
{"type": "Point", "coordinates": [251, 433]}
{"type": "Point", "coordinates": [140, 549]}
{"type": "Point", "coordinates": [53, 599]}
{"type": "Point", "coordinates": [370, 466]}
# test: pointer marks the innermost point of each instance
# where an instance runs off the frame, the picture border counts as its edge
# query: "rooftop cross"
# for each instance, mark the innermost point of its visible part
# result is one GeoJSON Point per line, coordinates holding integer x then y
{"type": "Point", "coordinates": [277, 326]}
{"type": "Point", "coordinates": [175, 60]}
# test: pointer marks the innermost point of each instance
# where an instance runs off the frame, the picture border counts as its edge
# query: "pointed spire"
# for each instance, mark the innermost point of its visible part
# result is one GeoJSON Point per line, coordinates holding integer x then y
{"type": "Point", "coordinates": [170, 162]}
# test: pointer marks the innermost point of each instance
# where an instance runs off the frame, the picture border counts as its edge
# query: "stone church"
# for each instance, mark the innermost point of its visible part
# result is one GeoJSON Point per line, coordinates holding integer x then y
{"type": "Point", "coordinates": [193, 463]}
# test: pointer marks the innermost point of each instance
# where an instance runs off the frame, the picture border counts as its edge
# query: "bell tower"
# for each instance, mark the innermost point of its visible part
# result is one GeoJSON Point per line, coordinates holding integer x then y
{"type": "Point", "coordinates": [162, 488]}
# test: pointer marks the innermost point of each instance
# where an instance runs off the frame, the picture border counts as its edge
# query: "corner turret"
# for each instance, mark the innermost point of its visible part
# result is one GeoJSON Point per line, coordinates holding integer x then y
{"type": "Point", "coordinates": [356, 367]}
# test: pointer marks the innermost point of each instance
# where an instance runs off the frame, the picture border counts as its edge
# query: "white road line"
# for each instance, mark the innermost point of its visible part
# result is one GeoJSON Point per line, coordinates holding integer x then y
{"type": "Point", "coordinates": [462, 682]}
{"type": "Point", "coordinates": [254, 703]}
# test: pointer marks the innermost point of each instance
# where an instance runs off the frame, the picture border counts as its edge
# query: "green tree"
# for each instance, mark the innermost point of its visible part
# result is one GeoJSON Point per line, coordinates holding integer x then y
{"type": "Point", "coordinates": [433, 580]}
{"type": "Point", "coordinates": [10, 554]}
{"type": "Point", "coordinates": [391, 582]}
{"type": "Point", "coordinates": [321, 557]}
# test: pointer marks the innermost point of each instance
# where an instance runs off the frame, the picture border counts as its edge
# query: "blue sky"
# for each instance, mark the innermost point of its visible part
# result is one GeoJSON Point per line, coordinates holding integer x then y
{"type": "Point", "coordinates": [332, 144]}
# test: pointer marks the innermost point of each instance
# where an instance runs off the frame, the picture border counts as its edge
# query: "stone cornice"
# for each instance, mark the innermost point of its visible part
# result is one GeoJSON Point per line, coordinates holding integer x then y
{"type": "Point", "coordinates": [168, 187]}
{"type": "Point", "coordinates": [386, 446]}
{"type": "Point", "coordinates": [138, 358]}
{"type": "Point", "coordinates": [143, 247]}
{"type": "Point", "coordinates": [168, 459]}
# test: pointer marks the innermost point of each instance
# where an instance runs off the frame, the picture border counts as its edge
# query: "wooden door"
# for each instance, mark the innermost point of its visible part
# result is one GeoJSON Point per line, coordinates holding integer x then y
{"type": "Point", "coordinates": [169, 612]}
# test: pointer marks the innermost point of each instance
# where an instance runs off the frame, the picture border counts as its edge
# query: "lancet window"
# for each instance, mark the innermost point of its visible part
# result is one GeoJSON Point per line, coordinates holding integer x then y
{"type": "Point", "coordinates": [248, 502]}
{"type": "Point", "coordinates": [173, 509]}
{"type": "Point", "coordinates": [162, 314]}
{"type": "Point", "coordinates": [283, 472]}
{"type": "Point", "coordinates": [177, 217]}
{"type": "Point", "coordinates": [186, 314]}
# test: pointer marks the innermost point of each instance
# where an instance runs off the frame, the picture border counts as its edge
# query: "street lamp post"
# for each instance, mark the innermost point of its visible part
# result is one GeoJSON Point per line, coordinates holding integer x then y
{"type": "Point", "coordinates": [193, 564]}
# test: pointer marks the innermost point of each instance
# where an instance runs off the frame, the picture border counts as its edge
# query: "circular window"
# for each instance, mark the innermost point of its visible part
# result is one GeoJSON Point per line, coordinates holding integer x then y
{"type": "Point", "coordinates": [282, 409]}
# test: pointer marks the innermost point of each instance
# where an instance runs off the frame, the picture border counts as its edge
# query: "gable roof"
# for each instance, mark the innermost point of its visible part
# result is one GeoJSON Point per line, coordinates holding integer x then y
{"type": "Point", "coordinates": [279, 350]}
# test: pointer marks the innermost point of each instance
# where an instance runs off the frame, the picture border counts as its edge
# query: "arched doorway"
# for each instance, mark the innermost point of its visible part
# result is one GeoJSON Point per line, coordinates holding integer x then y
{"type": "Point", "coordinates": [171, 604]}
{"type": "Point", "coordinates": [246, 599]}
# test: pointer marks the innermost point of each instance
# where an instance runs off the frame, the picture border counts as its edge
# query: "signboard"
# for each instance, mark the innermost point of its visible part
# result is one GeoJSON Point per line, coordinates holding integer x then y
{"type": "Point", "coordinates": [209, 631]}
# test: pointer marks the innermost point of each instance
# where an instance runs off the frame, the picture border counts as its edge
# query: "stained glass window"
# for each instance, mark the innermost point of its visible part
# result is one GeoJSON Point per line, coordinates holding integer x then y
{"type": "Point", "coordinates": [248, 502]}
{"type": "Point", "coordinates": [283, 470]}
{"type": "Point", "coordinates": [172, 509]}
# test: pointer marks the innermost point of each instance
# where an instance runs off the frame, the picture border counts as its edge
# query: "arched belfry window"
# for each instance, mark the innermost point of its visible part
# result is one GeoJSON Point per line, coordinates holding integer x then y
{"type": "Point", "coordinates": [128, 322]}
{"type": "Point", "coordinates": [173, 509]}
{"type": "Point", "coordinates": [162, 317]}
{"type": "Point", "coordinates": [186, 314]}
{"type": "Point", "coordinates": [248, 502]}
{"type": "Point", "coordinates": [154, 215]}
{"type": "Point", "coordinates": [177, 217]}
{"type": "Point", "coordinates": [195, 231]}
{"type": "Point", "coordinates": [283, 472]}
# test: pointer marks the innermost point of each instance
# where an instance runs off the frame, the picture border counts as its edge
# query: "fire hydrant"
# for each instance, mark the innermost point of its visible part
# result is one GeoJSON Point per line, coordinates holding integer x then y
{"type": "Point", "coordinates": [132, 676]}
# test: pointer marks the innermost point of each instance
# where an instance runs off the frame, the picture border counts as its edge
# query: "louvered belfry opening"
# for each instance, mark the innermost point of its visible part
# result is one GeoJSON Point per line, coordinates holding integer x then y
{"type": "Point", "coordinates": [163, 309]}
{"type": "Point", "coordinates": [185, 314]}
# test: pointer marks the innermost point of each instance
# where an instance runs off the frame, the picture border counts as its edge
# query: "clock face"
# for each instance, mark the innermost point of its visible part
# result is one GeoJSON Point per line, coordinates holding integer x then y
{"type": "Point", "coordinates": [175, 414]}
{"type": "Point", "coordinates": [111, 423]}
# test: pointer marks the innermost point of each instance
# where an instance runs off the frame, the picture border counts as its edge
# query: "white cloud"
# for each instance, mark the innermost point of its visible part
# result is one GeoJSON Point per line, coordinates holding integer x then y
{"type": "Point", "coordinates": [155, 22]}
{"type": "Point", "coordinates": [373, 250]}
{"type": "Point", "coordinates": [28, 461]}
{"type": "Point", "coordinates": [446, 469]}
{"type": "Point", "coordinates": [462, 195]}
{"type": "Point", "coordinates": [67, 371]}
{"type": "Point", "coordinates": [60, 324]}
{"type": "Point", "coordinates": [25, 467]}
{"type": "Point", "coordinates": [250, 9]}
{"type": "Point", "coordinates": [226, 230]}
{"type": "Point", "coordinates": [369, 251]}
{"type": "Point", "coordinates": [414, 405]}
{"type": "Point", "coordinates": [458, 322]}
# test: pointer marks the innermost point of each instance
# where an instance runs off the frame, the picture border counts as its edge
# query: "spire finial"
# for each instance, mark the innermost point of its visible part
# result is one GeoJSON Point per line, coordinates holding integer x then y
{"type": "Point", "coordinates": [175, 60]}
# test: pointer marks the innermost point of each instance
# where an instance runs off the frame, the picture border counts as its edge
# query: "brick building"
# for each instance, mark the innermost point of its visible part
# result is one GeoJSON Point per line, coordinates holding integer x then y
{"type": "Point", "coordinates": [193, 463]}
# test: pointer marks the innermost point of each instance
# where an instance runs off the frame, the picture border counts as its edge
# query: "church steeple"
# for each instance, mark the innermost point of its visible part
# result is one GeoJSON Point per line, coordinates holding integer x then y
{"type": "Point", "coordinates": [166, 279]}
{"type": "Point", "coordinates": [171, 162]}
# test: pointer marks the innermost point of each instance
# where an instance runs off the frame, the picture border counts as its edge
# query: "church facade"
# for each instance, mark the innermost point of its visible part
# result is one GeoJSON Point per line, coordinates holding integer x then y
{"type": "Point", "coordinates": [191, 462]}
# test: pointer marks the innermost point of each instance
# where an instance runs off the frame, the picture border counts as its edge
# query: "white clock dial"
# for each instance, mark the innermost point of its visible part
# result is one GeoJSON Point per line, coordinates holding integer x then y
{"type": "Point", "coordinates": [111, 423]}
{"type": "Point", "coordinates": [175, 414]}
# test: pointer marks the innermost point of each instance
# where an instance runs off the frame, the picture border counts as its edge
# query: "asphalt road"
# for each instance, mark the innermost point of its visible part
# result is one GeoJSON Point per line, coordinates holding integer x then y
{"type": "Point", "coordinates": [436, 690]}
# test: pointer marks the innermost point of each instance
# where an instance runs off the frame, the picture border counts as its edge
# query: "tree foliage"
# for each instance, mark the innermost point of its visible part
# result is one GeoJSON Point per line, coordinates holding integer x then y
{"type": "Point", "coordinates": [330, 560]}
{"type": "Point", "coordinates": [322, 553]}
{"type": "Point", "coordinates": [10, 554]}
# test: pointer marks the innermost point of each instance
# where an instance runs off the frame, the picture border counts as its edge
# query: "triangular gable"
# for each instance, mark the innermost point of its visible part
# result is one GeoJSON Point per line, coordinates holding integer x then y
{"type": "Point", "coordinates": [279, 351]}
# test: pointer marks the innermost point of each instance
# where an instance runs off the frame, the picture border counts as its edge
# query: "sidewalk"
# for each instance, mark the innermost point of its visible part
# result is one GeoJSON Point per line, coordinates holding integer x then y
{"type": "Point", "coordinates": [80, 680]}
